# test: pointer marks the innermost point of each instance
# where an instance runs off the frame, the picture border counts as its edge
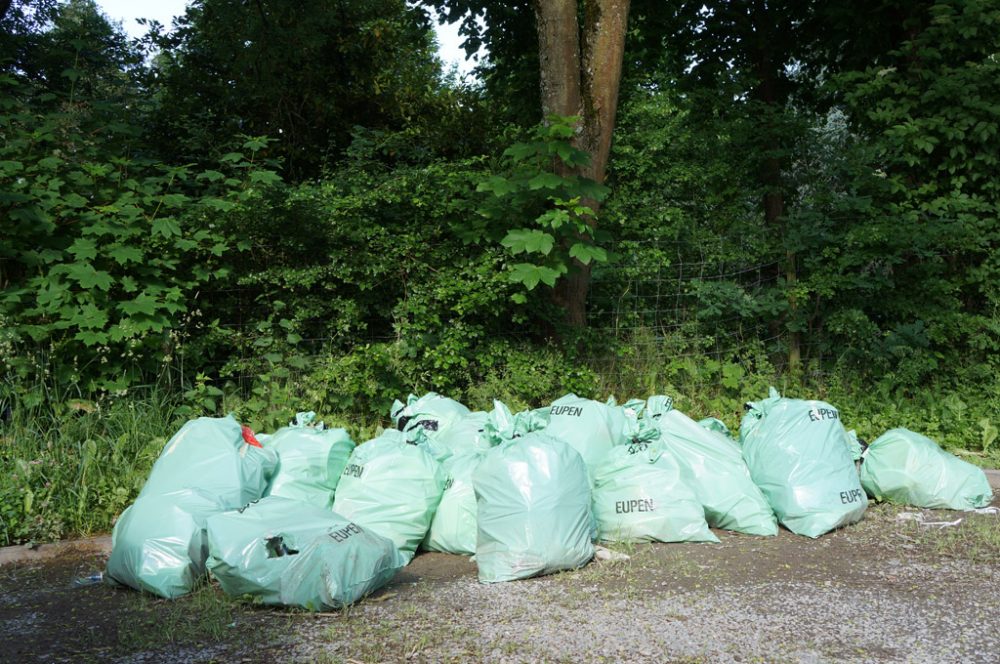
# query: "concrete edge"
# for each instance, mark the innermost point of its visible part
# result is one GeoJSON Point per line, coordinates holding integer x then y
{"type": "Point", "coordinates": [24, 554]}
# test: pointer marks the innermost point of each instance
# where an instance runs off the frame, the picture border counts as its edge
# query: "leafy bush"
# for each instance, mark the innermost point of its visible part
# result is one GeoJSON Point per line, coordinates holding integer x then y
{"type": "Point", "coordinates": [107, 250]}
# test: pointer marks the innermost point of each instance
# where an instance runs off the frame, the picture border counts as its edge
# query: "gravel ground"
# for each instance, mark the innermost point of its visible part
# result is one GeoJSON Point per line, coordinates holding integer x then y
{"type": "Point", "coordinates": [884, 590]}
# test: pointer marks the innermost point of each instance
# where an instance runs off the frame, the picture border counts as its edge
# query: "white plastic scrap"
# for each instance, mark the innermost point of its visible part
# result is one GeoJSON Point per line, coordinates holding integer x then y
{"type": "Point", "coordinates": [603, 553]}
{"type": "Point", "coordinates": [919, 518]}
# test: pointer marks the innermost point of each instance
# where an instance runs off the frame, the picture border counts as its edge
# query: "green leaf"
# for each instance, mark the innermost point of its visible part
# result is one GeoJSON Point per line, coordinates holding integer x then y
{"type": "Point", "coordinates": [143, 304]}
{"type": "Point", "coordinates": [75, 200]}
{"type": "Point", "coordinates": [498, 185]}
{"type": "Point", "coordinates": [174, 200]}
{"type": "Point", "coordinates": [91, 337]}
{"type": "Point", "coordinates": [218, 204]}
{"type": "Point", "coordinates": [52, 294]}
{"type": "Point", "coordinates": [528, 241]}
{"type": "Point", "coordinates": [83, 249]}
{"type": "Point", "coordinates": [166, 226]}
{"type": "Point", "coordinates": [731, 375]}
{"type": "Point", "coordinates": [264, 177]}
{"type": "Point", "coordinates": [530, 275]}
{"type": "Point", "coordinates": [123, 255]}
{"type": "Point", "coordinates": [211, 176]}
{"type": "Point", "coordinates": [85, 275]}
{"type": "Point", "coordinates": [546, 181]}
{"type": "Point", "coordinates": [89, 317]}
{"type": "Point", "coordinates": [523, 151]}
{"type": "Point", "coordinates": [49, 163]}
{"type": "Point", "coordinates": [255, 143]}
{"type": "Point", "coordinates": [588, 252]}
{"type": "Point", "coordinates": [989, 433]}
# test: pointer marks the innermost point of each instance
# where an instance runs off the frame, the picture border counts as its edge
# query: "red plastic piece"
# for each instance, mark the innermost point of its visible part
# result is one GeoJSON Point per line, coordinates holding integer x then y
{"type": "Point", "coordinates": [249, 437]}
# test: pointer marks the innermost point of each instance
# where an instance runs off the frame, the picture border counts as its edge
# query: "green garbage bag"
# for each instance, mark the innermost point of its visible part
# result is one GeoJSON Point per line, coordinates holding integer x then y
{"type": "Point", "coordinates": [432, 412]}
{"type": "Point", "coordinates": [713, 465]}
{"type": "Point", "coordinates": [533, 502]}
{"type": "Point", "coordinates": [392, 487]}
{"type": "Point", "coordinates": [463, 435]}
{"type": "Point", "coordinates": [641, 494]}
{"type": "Point", "coordinates": [310, 460]}
{"type": "Point", "coordinates": [855, 445]}
{"type": "Point", "coordinates": [158, 543]}
{"type": "Point", "coordinates": [453, 529]}
{"type": "Point", "coordinates": [209, 454]}
{"type": "Point", "coordinates": [716, 425]}
{"type": "Point", "coordinates": [338, 569]}
{"type": "Point", "coordinates": [797, 452]}
{"type": "Point", "coordinates": [905, 467]}
{"type": "Point", "coordinates": [250, 549]}
{"type": "Point", "coordinates": [590, 427]}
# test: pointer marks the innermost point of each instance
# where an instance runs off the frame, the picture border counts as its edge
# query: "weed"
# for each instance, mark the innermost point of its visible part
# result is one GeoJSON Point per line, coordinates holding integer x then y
{"type": "Point", "coordinates": [206, 615]}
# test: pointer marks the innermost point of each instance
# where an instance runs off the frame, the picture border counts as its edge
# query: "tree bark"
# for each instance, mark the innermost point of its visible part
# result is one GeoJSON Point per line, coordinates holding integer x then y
{"type": "Point", "coordinates": [767, 92]}
{"type": "Point", "coordinates": [580, 76]}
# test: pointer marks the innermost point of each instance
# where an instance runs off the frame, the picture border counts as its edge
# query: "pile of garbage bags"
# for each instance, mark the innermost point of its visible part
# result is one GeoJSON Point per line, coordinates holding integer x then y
{"type": "Point", "coordinates": [304, 517]}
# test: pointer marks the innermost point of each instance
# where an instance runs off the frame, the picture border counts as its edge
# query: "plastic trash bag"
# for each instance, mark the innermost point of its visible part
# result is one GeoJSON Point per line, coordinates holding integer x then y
{"type": "Point", "coordinates": [590, 427]}
{"type": "Point", "coordinates": [798, 454]}
{"type": "Point", "coordinates": [641, 495]}
{"type": "Point", "coordinates": [310, 460]}
{"type": "Point", "coordinates": [453, 529]}
{"type": "Point", "coordinates": [159, 544]}
{"type": "Point", "coordinates": [462, 435]}
{"type": "Point", "coordinates": [251, 549]}
{"type": "Point", "coordinates": [392, 487]}
{"type": "Point", "coordinates": [432, 412]}
{"type": "Point", "coordinates": [716, 425]}
{"type": "Point", "coordinates": [533, 500]}
{"type": "Point", "coordinates": [713, 466]}
{"type": "Point", "coordinates": [209, 454]}
{"type": "Point", "coordinates": [855, 445]}
{"type": "Point", "coordinates": [338, 569]}
{"type": "Point", "coordinates": [905, 467]}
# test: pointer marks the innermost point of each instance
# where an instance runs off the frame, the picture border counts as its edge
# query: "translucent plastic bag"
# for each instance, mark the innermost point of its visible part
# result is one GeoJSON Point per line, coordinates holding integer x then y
{"type": "Point", "coordinates": [905, 467]}
{"type": "Point", "coordinates": [533, 498]}
{"type": "Point", "coordinates": [799, 455]}
{"type": "Point", "coordinates": [392, 487]}
{"type": "Point", "coordinates": [641, 494]}
{"type": "Point", "coordinates": [252, 549]}
{"type": "Point", "coordinates": [310, 460]}
{"type": "Point", "coordinates": [713, 465]}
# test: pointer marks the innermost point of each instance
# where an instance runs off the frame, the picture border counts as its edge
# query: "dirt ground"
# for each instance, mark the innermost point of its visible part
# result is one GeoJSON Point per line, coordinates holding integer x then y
{"type": "Point", "coordinates": [885, 590]}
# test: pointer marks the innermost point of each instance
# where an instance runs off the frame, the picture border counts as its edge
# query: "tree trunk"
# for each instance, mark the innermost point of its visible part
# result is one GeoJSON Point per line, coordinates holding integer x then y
{"type": "Point", "coordinates": [767, 92]}
{"type": "Point", "coordinates": [580, 75]}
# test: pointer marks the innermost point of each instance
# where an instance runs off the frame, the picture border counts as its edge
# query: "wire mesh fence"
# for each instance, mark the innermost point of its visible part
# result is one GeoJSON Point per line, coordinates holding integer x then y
{"type": "Point", "coordinates": [659, 299]}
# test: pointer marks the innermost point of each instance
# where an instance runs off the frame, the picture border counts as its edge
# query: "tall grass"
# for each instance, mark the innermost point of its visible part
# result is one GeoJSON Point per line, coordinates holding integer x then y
{"type": "Point", "coordinates": [71, 466]}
